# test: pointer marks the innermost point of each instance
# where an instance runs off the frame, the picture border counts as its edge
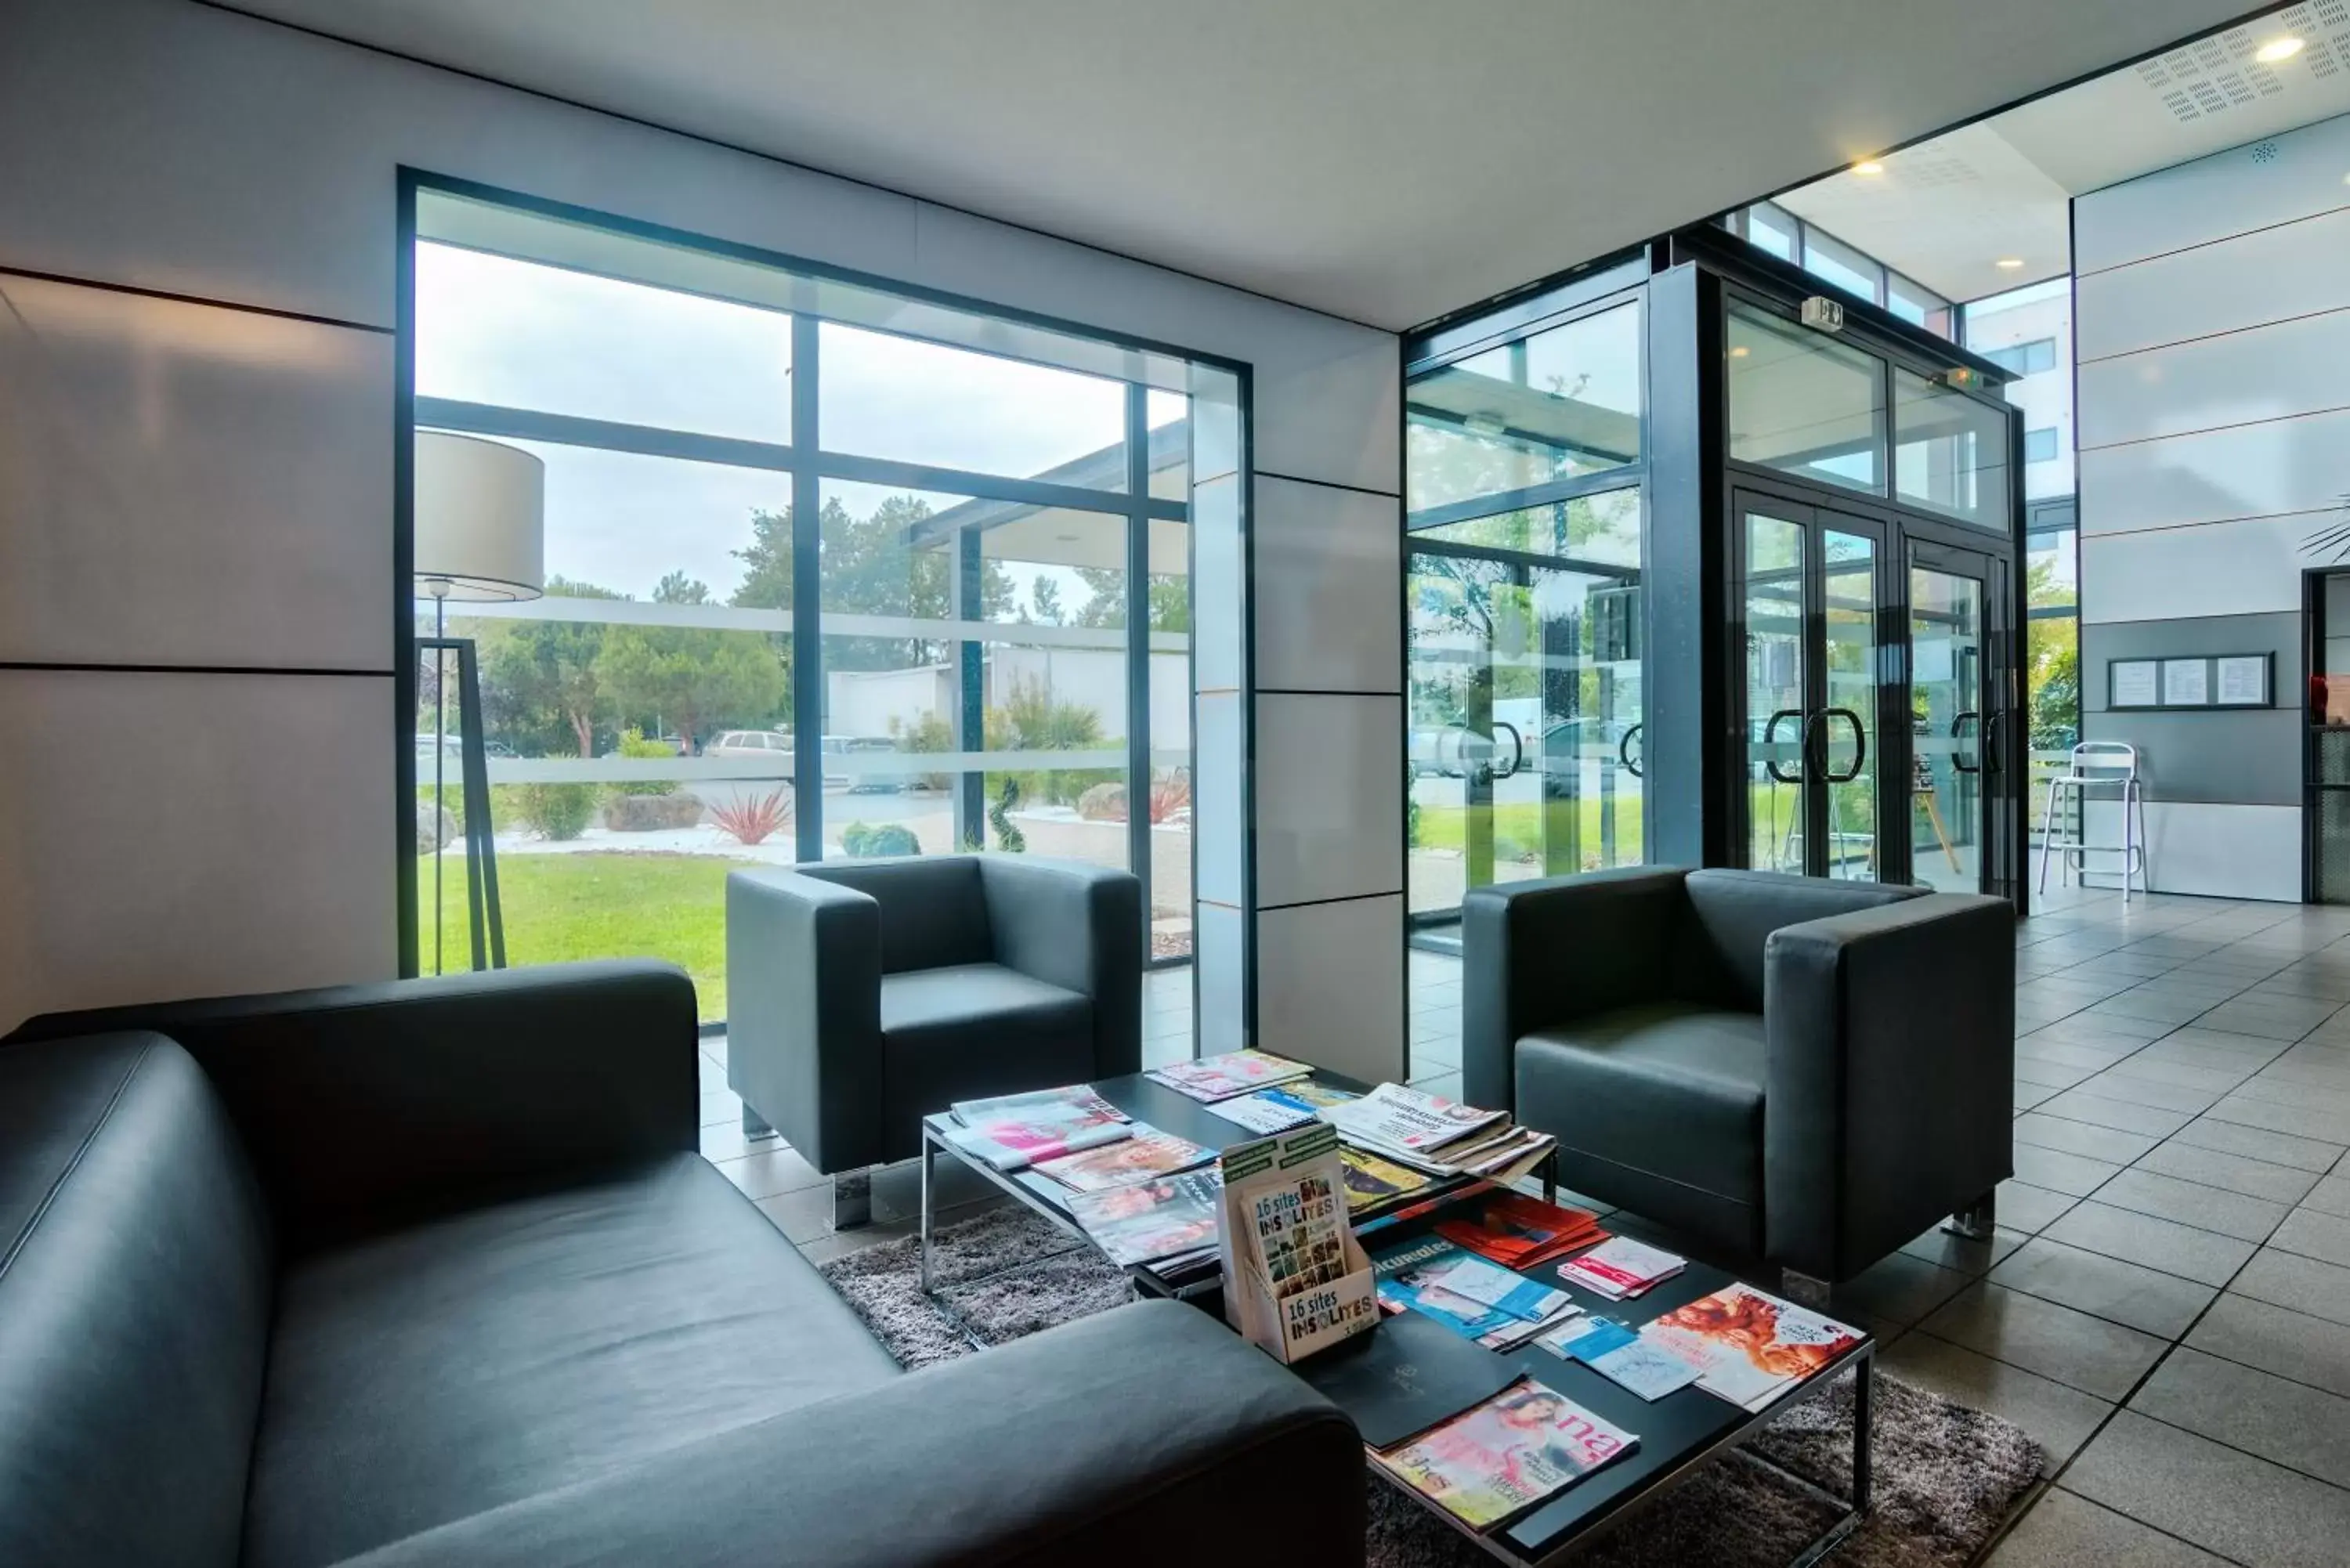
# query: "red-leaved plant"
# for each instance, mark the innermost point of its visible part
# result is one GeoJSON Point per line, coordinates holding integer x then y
{"type": "Point", "coordinates": [752, 819]}
{"type": "Point", "coordinates": [1170, 795]}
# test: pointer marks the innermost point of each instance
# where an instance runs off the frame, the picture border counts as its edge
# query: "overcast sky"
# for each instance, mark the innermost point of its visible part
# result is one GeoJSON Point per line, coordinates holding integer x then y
{"type": "Point", "coordinates": [494, 330]}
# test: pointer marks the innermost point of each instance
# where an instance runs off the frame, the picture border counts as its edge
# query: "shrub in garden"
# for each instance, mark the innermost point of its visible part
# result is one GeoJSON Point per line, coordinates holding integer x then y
{"type": "Point", "coordinates": [555, 811]}
{"type": "Point", "coordinates": [866, 842]}
{"type": "Point", "coordinates": [633, 744]}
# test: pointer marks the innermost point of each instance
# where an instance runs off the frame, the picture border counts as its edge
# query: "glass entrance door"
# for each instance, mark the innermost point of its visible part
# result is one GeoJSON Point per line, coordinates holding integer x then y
{"type": "Point", "coordinates": [1525, 719]}
{"type": "Point", "coordinates": [1958, 743]}
{"type": "Point", "coordinates": [1811, 681]}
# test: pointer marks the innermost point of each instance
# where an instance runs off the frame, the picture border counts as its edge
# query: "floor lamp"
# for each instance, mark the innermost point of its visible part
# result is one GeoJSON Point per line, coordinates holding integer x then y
{"type": "Point", "coordinates": [479, 539]}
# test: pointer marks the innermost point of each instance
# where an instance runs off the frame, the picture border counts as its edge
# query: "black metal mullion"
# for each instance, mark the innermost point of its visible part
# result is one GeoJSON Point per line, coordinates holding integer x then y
{"type": "Point", "coordinates": [1137, 646]}
{"type": "Point", "coordinates": [807, 600]}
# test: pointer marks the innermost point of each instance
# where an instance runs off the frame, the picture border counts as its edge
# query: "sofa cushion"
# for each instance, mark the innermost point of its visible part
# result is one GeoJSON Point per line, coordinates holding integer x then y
{"type": "Point", "coordinates": [1670, 1092]}
{"type": "Point", "coordinates": [135, 1268]}
{"type": "Point", "coordinates": [1727, 919]}
{"type": "Point", "coordinates": [458, 1365]}
{"type": "Point", "coordinates": [934, 909]}
{"type": "Point", "coordinates": [971, 1030]}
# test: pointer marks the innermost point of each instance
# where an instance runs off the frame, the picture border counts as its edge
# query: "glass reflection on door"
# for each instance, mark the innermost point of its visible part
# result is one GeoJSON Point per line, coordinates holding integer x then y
{"type": "Point", "coordinates": [1775, 703]}
{"type": "Point", "coordinates": [1946, 654]}
{"type": "Point", "coordinates": [1845, 728]}
{"type": "Point", "coordinates": [1525, 718]}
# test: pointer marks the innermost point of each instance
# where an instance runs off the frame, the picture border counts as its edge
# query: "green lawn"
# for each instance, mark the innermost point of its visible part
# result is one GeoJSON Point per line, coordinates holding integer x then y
{"type": "Point", "coordinates": [595, 905]}
{"type": "Point", "coordinates": [1518, 828]}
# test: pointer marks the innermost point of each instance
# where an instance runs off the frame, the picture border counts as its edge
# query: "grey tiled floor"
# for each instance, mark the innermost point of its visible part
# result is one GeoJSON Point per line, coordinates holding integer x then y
{"type": "Point", "coordinates": [2167, 1306]}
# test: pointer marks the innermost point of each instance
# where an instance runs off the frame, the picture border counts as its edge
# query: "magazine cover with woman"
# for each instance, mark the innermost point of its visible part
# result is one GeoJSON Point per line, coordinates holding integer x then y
{"type": "Point", "coordinates": [1506, 1455]}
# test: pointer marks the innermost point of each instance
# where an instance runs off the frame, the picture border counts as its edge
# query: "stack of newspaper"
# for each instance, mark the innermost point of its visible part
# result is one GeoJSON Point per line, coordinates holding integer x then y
{"type": "Point", "coordinates": [1440, 1136]}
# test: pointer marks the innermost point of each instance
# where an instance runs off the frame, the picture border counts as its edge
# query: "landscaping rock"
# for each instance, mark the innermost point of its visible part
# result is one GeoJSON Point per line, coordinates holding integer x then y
{"type": "Point", "coordinates": [650, 813]}
{"type": "Point", "coordinates": [1103, 803]}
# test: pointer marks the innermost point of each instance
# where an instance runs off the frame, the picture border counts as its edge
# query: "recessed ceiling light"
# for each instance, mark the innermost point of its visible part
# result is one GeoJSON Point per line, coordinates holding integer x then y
{"type": "Point", "coordinates": [2277, 49]}
{"type": "Point", "coordinates": [2008, 264]}
{"type": "Point", "coordinates": [1868, 166]}
{"type": "Point", "coordinates": [1740, 352]}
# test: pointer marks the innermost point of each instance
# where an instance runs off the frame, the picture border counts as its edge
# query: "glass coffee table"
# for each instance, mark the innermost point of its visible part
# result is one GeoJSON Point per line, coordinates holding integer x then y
{"type": "Point", "coordinates": [1680, 1434]}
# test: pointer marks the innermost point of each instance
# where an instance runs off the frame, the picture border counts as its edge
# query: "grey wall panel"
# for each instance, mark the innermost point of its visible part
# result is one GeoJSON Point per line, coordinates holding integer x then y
{"type": "Point", "coordinates": [2200, 291]}
{"type": "Point", "coordinates": [2218, 851]}
{"type": "Point", "coordinates": [2295, 464]}
{"type": "Point", "coordinates": [2262, 373]}
{"type": "Point", "coordinates": [1329, 797]}
{"type": "Point", "coordinates": [1330, 985]}
{"type": "Point", "coordinates": [171, 835]}
{"type": "Point", "coordinates": [2239, 756]}
{"type": "Point", "coordinates": [2235, 757]}
{"type": "Point", "coordinates": [184, 485]}
{"type": "Point", "coordinates": [1328, 576]}
{"type": "Point", "coordinates": [2274, 181]}
{"type": "Point", "coordinates": [2252, 566]}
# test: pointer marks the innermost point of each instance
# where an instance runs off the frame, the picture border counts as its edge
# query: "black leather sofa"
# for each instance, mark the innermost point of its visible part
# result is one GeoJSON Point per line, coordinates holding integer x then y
{"type": "Point", "coordinates": [864, 995]}
{"type": "Point", "coordinates": [1793, 1069]}
{"type": "Point", "coordinates": [432, 1274]}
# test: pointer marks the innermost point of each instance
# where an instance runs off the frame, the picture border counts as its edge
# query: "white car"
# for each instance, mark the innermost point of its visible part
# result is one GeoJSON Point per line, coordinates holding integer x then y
{"type": "Point", "coordinates": [754, 744]}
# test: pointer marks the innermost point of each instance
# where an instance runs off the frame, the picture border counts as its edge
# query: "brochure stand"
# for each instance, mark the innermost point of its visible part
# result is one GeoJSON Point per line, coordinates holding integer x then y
{"type": "Point", "coordinates": [1286, 1221]}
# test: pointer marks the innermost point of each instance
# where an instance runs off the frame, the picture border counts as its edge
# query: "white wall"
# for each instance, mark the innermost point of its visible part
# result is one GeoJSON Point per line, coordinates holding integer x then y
{"type": "Point", "coordinates": [2213, 308]}
{"type": "Point", "coordinates": [212, 485]}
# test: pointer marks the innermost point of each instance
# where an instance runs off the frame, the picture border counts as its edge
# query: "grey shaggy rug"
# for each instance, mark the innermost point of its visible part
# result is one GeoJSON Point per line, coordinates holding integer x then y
{"type": "Point", "coordinates": [1945, 1475]}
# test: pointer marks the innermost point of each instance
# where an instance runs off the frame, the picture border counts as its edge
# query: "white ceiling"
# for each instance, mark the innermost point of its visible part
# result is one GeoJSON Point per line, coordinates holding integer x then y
{"type": "Point", "coordinates": [1385, 160]}
{"type": "Point", "coordinates": [1945, 210]}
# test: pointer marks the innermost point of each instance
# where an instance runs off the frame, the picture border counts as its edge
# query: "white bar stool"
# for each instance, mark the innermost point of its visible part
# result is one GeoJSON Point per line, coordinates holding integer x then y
{"type": "Point", "coordinates": [2099, 765]}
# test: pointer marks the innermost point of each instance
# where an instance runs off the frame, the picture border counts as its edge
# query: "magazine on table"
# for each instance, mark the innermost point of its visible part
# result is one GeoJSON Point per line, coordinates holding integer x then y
{"type": "Point", "coordinates": [1266, 1112]}
{"type": "Point", "coordinates": [1152, 1221]}
{"type": "Point", "coordinates": [1623, 1355]}
{"type": "Point", "coordinates": [1620, 1267]}
{"type": "Point", "coordinates": [1410, 1121]}
{"type": "Point", "coordinates": [1146, 1152]}
{"type": "Point", "coordinates": [1517, 1331]}
{"type": "Point", "coordinates": [1750, 1345]}
{"type": "Point", "coordinates": [1521, 1232]}
{"type": "Point", "coordinates": [1234, 1072]}
{"type": "Point", "coordinates": [1371, 1181]}
{"type": "Point", "coordinates": [1011, 1132]}
{"type": "Point", "coordinates": [1468, 1295]}
{"type": "Point", "coordinates": [1491, 1463]}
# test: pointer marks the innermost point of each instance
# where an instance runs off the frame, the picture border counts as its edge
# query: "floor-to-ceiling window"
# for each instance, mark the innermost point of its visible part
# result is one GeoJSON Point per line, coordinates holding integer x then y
{"type": "Point", "coordinates": [829, 573]}
{"type": "Point", "coordinates": [1525, 473]}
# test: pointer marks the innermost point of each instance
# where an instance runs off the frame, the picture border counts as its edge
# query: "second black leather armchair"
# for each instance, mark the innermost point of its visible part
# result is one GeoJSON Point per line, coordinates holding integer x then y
{"type": "Point", "coordinates": [1806, 1071]}
{"type": "Point", "coordinates": [863, 996]}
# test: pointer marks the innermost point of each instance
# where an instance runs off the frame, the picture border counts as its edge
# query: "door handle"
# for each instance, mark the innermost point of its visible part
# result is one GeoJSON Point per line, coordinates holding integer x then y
{"type": "Point", "coordinates": [1990, 733]}
{"type": "Point", "coordinates": [1517, 750]}
{"type": "Point", "coordinates": [1859, 744]}
{"type": "Point", "coordinates": [1958, 760]}
{"type": "Point", "coordinates": [1771, 738]}
{"type": "Point", "coordinates": [1624, 752]}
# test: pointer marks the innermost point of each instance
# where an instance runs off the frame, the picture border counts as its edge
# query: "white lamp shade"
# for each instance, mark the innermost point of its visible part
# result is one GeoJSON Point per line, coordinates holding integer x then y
{"type": "Point", "coordinates": [481, 508]}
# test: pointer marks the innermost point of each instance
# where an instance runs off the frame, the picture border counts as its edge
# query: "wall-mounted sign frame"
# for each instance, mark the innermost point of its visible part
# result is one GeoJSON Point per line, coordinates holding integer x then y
{"type": "Point", "coordinates": [2195, 684]}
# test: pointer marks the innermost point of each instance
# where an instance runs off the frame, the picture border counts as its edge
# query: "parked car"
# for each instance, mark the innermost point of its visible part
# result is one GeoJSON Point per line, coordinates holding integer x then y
{"type": "Point", "coordinates": [863, 745]}
{"type": "Point", "coordinates": [753, 744]}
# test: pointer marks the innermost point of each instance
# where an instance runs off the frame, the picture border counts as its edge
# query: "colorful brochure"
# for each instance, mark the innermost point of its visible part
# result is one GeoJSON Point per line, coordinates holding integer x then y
{"type": "Point", "coordinates": [1500, 1458]}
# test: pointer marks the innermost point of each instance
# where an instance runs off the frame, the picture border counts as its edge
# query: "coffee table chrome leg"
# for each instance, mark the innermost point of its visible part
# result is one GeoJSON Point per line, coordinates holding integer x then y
{"type": "Point", "coordinates": [1864, 1386]}
{"type": "Point", "coordinates": [929, 1151]}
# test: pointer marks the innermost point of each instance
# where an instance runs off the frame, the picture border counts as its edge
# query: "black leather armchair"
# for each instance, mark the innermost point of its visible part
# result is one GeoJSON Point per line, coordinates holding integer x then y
{"type": "Point", "coordinates": [1805, 1071]}
{"type": "Point", "coordinates": [430, 1273]}
{"type": "Point", "coordinates": [862, 997]}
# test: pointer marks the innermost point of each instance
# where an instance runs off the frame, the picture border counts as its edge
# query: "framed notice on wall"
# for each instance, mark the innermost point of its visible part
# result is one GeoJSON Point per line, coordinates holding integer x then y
{"type": "Point", "coordinates": [2196, 683]}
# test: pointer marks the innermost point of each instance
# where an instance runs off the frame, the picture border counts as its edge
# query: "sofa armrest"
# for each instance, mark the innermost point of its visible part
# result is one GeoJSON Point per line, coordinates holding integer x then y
{"type": "Point", "coordinates": [803, 1012]}
{"type": "Point", "coordinates": [1146, 1436]}
{"type": "Point", "coordinates": [1890, 1082]}
{"type": "Point", "coordinates": [1078, 926]}
{"type": "Point", "coordinates": [356, 1101]}
{"type": "Point", "coordinates": [1535, 954]}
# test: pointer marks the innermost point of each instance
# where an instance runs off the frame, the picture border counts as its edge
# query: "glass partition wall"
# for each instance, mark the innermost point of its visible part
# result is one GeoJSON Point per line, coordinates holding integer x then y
{"type": "Point", "coordinates": [831, 573]}
{"type": "Point", "coordinates": [1526, 466]}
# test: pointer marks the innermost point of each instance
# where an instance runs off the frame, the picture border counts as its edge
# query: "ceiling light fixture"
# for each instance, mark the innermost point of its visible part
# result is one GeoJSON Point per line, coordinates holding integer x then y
{"type": "Point", "coordinates": [1868, 166]}
{"type": "Point", "coordinates": [2008, 264]}
{"type": "Point", "coordinates": [2277, 49]}
{"type": "Point", "coordinates": [1740, 352]}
